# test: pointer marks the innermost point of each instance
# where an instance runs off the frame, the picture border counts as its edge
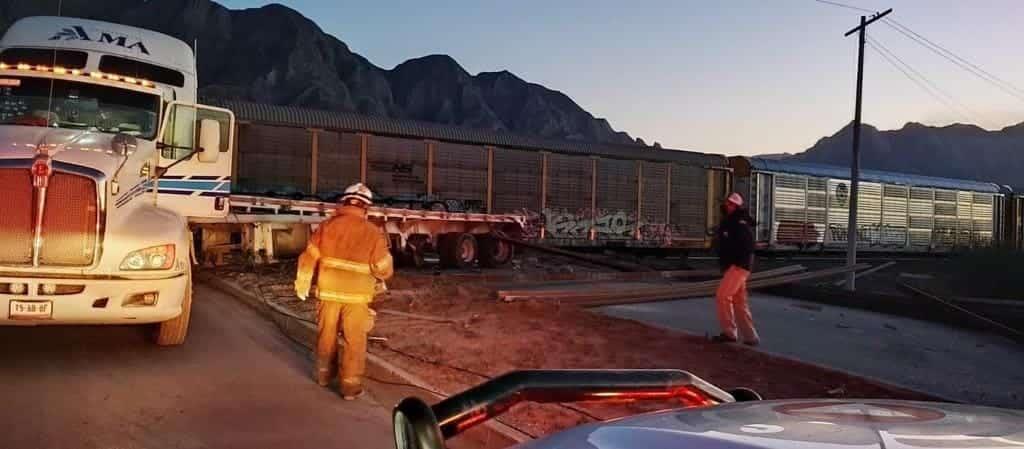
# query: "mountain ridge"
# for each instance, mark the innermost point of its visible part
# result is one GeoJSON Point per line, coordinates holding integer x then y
{"type": "Point", "coordinates": [958, 150]}
{"type": "Point", "coordinates": [274, 54]}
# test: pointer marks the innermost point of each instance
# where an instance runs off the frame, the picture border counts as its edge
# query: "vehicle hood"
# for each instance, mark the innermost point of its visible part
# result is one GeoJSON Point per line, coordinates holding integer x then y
{"type": "Point", "coordinates": [805, 424]}
{"type": "Point", "coordinates": [78, 147]}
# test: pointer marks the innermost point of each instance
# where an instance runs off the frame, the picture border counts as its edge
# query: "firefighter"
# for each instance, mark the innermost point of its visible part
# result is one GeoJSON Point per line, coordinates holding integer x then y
{"type": "Point", "coordinates": [736, 259]}
{"type": "Point", "coordinates": [350, 257]}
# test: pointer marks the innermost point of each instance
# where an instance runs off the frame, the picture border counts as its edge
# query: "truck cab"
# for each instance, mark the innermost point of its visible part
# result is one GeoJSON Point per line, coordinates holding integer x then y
{"type": "Point", "coordinates": [104, 158]}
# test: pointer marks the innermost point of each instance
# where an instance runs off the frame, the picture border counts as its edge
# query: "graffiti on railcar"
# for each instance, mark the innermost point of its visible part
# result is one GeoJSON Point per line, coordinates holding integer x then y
{"type": "Point", "coordinates": [871, 234]}
{"type": "Point", "coordinates": [565, 223]}
{"type": "Point", "coordinates": [606, 225]}
{"type": "Point", "coordinates": [789, 232]}
{"type": "Point", "coordinates": [666, 233]}
{"type": "Point", "coordinates": [403, 174]}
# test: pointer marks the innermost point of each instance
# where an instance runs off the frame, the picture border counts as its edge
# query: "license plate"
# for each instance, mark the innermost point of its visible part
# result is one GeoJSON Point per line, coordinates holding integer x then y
{"type": "Point", "coordinates": [31, 310]}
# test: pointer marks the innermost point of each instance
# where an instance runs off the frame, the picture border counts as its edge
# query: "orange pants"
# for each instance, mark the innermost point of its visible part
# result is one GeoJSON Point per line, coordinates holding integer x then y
{"type": "Point", "coordinates": [733, 307]}
{"type": "Point", "coordinates": [356, 321]}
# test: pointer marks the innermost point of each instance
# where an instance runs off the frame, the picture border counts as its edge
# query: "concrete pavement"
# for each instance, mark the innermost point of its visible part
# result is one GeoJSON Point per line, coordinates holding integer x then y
{"type": "Point", "coordinates": [236, 383]}
{"type": "Point", "coordinates": [932, 358]}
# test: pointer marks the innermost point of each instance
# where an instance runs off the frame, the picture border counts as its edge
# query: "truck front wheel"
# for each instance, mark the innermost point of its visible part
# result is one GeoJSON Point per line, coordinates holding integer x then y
{"type": "Point", "coordinates": [173, 331]}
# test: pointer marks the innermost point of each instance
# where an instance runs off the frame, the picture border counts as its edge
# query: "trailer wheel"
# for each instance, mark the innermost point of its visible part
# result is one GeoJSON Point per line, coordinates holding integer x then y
{"type": "Point", "coordinates": [495, 252]}
{"type": "Point", "coordinates": [458, 250]}
{"type": "Point", "coordinates": [173, 331]}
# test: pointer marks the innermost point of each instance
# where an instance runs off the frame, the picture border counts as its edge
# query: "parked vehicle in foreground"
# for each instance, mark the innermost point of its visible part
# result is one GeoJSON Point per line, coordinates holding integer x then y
{"type": "Point", "coordinates": [100, 128]}
{"type": "Point", "coordinates": [709, 417]}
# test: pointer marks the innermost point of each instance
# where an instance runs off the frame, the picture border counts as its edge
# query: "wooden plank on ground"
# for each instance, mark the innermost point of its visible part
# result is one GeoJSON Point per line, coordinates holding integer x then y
{"type": "Point", "coordinates": [881, 267]}
{"type": "Point", "coordinates": [709, 290]}
{"type": "Point", "coordinates": [593, 293]}
{"type": "Point", "coordinates": [616, 264]}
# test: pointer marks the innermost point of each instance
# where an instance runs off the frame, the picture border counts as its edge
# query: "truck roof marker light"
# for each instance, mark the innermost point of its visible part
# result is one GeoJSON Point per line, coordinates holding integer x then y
{"type": "Point", "coordinates": [60, 70]}
{"type": "Point", "coordinates": [42, 68]}
{"type": "Point", "coordinates": [24, 66]}
{"type": "Point", "coordinates": [129, 79]}
{"type": "Point", "coordinates": [76, 72]}
{"type": "Point", "coordinates": [4, 66]}
{"type": "Point", "coordinates": [146, 83]}
{"type": "Point", "coordinates": [97, 75]}
{"type": "Point", "coordinates": [113, 77]}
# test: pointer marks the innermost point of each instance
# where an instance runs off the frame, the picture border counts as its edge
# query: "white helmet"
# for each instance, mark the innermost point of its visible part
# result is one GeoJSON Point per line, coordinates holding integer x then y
{"type": "Point", "coordinates": [736, 199]}
{"type": "Point", "coordinates": [359, 192]}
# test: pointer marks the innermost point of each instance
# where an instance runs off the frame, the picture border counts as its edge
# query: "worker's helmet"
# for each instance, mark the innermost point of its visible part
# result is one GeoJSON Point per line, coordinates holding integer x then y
{"type": "Point", "coordinates": [358, 192]}
{"type": "Point", "coordinates": [736, 199]}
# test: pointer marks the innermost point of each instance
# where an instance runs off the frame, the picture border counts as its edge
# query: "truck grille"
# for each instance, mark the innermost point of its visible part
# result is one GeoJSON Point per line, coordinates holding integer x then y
{"type": "Point", "coordinates": [69, 221]}
{"type": "Point", "coordinates": [70, 218]}
{"type": "Point", "coordinates": [16, 216]}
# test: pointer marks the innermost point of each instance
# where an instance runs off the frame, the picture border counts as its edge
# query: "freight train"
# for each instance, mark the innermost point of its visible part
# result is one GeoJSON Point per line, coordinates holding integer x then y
{"type": "Point", "coordinates": [799, 206]}
{"type": "Point", "coordinates": [580, 194]}
{"type": "Point", "coordinates": [572, 193]}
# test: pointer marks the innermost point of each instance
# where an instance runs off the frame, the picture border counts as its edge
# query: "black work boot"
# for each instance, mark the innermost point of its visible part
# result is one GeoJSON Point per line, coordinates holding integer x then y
{"type": "Point", "coordinates": [722, 338]}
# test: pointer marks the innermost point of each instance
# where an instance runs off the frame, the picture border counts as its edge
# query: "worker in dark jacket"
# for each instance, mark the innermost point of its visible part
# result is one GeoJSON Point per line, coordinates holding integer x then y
{"type": "Point", "coordinates": [736, 258]}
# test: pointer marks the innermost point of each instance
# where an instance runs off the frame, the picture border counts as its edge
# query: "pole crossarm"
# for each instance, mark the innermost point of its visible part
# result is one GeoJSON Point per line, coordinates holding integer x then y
{"type": "Point", "coordinates": [869, 21]}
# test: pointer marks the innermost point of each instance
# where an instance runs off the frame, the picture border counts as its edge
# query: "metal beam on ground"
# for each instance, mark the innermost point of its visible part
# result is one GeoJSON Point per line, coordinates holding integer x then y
{"type": "Point", "coordinates": [881, 267]}
{"type": "Point", "coordinates": [708, 291]}
{"type": "Point", "coordinates": [637, 291]}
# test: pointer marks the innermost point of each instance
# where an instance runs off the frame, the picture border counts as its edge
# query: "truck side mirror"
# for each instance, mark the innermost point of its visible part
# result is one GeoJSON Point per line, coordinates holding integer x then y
{"type": "Point", "coordinates": [209, 141]}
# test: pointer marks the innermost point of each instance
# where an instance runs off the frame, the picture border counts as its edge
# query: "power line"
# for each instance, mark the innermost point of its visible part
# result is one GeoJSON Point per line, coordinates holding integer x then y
{"type": "Point", "coordinates": [957, 57]}
{"type": "Point", "coordinates": [843, 5]}
{"type": "Point", "coordinates": [963, 63]}
{"type": "Point", "coordinates": [957, 60]}
{"type": "Point", "coordinates": [917, 78]}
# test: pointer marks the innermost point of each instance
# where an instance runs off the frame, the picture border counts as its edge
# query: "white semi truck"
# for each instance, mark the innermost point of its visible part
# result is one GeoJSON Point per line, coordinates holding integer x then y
{"type": "Point", "coordinates": [92, 116]}
{"type": "Point", "coordinates": [109, 167]}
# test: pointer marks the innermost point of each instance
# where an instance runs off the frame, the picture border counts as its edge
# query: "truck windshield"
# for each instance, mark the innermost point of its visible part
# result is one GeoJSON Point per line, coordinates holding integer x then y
{"type": "Point", "coordinates": [61, 103]}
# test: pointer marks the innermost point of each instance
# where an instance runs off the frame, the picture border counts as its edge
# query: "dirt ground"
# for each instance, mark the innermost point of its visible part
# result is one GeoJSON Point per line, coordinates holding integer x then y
{"type": "Point", "coordinates": [488, 338]}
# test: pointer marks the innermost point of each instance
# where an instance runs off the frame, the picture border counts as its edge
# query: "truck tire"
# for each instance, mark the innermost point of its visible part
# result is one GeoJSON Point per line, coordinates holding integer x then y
{"type": "Point", "coordinates": [458, 250]}
{"type": "Point", "coordinates": [494, 252]}
{"type": "Point", "coordinates": [173, 331]}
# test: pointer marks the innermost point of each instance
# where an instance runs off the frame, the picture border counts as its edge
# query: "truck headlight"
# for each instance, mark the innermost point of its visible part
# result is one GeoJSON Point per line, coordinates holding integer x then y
{"type": "Point", "coordinates": [152, 258]}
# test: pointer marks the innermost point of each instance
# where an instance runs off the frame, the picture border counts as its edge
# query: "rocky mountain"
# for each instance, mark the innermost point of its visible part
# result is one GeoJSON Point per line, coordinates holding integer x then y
{"type": "Point", "coordinates": [276, 55]}
{"type": "Point", "coordinates": [956, 151]}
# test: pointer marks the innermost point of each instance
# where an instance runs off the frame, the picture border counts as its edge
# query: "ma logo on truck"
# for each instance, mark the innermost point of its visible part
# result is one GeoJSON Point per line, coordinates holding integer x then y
{"type": "Point", "coordinates": [78, 33]}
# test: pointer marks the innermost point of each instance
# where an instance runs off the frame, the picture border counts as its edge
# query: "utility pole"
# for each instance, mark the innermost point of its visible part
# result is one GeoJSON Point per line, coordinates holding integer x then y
{"type": "Point", "coordinates": [851, 227]}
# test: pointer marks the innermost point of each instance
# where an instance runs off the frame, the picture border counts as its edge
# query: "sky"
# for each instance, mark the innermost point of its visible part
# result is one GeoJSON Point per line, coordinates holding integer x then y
{"type": "Point", "coordinates": [725, 76]}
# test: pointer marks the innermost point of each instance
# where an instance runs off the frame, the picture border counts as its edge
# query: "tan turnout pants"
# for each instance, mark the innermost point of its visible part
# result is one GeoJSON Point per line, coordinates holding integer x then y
{"type": "Point", "coordinates": [733, 307]}
{"type": "Point", "coordinates": [356, 321]}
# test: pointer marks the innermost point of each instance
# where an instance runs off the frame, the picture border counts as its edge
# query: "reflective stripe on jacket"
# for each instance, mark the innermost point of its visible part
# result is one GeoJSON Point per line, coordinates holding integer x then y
{"type": "Point", "coordinates": [349, 256]}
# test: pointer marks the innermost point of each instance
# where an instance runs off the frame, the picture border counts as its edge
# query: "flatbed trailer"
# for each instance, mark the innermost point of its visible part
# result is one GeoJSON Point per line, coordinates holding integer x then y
{"type": "Point", "coordinates": [274, 227]}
